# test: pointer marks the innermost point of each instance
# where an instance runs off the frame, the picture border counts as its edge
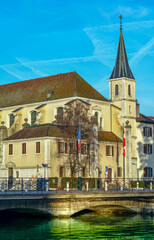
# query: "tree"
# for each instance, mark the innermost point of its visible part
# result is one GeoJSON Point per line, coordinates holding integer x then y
{"type": "Point", "coordinates": [68, 120]}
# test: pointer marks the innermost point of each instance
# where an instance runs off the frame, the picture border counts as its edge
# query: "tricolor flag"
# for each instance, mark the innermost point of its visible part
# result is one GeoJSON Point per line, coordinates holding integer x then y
{"type": "Point", "coordinates": [124, 144]}
{"type": "Point", "coordinates": [79, 138]}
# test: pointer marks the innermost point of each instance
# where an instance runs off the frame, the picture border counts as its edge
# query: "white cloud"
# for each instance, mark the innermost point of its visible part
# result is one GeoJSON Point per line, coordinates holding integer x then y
{"type": "Point", "coordinates": [134, 13]}
{"type": "Point", "coordinates": [21, 69]}
{"type": "Point", "coordinates": [29, 66]}
{"type": "Point", "coordinates": [142, 52]}
{"type": "Point", "coordinates": [138, 12]}
{"type": "Point", "coordinates": [11, 72]}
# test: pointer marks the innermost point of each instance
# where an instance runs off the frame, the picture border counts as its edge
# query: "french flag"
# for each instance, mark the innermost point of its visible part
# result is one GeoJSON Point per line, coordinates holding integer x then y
{"type": "Point", "coordinates": [124, 144]}
{"type": "Point", "coordinates": [79, 138]}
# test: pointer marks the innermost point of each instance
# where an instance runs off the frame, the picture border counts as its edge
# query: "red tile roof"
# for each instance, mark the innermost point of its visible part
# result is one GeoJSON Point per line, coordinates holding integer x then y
{"type": "Point", "coordinates": [38, 131]}
{"type": "Point", "coordinates": [49, 130]}
{"type": "Point", "coordinates": [144, 119]}
{"type": "Point", "coordinates": [36, 90]}
{"type": "Point", "coordinates": [108, 137]}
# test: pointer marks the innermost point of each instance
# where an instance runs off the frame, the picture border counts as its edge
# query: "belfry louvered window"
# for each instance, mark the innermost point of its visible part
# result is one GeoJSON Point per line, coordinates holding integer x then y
{"type": "Point", "coordinates": [116, 90]}
{"type": "Point", "coordinates": [129, 90]}
{"type": "Point", "coordinates": [12, 117]}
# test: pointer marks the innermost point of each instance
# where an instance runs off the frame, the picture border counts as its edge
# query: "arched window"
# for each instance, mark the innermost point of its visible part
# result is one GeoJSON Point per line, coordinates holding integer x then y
{"type": "Point", "coordinates": [96, 116]}
{"type": "Point", "coordinates": [60, 114]}
{"type": "Point", "coordinates": [12, 117]}
{"type": "Point", "coordinates": [33, 117]}
{"type": "Point", "coordinates": [129, 90]}
{"type": "Point", "coordinates": [116, 90]}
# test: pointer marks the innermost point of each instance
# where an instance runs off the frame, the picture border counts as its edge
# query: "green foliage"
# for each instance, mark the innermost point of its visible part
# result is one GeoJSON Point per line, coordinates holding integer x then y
{"type": "Point", "coordinates": [142, 184]}
{"type": "Point", "coordinates": [53, 182]}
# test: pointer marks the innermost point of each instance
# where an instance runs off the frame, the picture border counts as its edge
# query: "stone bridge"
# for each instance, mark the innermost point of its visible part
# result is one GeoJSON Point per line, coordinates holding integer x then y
{"type": "Point", "coordinates": [69, 204]}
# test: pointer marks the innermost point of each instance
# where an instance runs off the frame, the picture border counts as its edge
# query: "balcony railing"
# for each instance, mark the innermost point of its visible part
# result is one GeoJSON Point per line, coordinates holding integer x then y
{"type": "Point", "coordinates": [66, 184]}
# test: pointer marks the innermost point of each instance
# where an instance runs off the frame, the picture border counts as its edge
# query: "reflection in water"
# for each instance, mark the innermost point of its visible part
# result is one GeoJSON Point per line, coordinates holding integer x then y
{"type": "Point", "coordinates": [89, 226]}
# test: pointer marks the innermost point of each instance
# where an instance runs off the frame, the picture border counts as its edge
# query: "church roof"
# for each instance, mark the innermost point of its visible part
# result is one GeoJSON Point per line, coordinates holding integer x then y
{"type": "Point", "coordinates": [121, 68]}
{"type": "Point", "coordinates": [50, 130]}
{"type": "Point", "coordinates": [46, 89]}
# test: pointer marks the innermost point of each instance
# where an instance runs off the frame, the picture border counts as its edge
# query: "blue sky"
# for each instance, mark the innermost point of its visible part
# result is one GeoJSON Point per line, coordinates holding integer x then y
{"type": "Point", "coordinates": [47, 37]}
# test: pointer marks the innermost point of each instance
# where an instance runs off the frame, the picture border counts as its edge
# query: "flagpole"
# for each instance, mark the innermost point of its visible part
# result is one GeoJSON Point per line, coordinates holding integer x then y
{"type": "Point", "coordinates": [124, 152]}
{"type": "Point", "coordinates": [79, 159]}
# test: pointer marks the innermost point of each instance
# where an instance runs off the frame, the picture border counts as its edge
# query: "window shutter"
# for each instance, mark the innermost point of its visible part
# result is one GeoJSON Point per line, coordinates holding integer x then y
{"type": "Point", "coordinates": [145, 148]}
{"type": "Point", "coordinates": [107, 150]}
{"type": "Point", "coordinates": [144, 131]}
{"type": "Point", "coordinates": [150, 132]}
{"type": "Point", "coordinates": [150, 148]}
{"type": "Point", "coordinates": [10, 149]}
{"type": "Point", "coordinates": [112, 150]}
{"type": "Point", "coordinates": [37, 147]}
{"type": "Point", "coordinates": [65, 147]}
{"type": "Point", "coordinates": [23, 148]}
{"type": "Point", "coordinates": [58, 147]}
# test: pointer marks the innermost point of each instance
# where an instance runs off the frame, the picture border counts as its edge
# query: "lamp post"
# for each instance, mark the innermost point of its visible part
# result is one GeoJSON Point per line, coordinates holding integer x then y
{"type": "Point", "coordinates": [44, 166]}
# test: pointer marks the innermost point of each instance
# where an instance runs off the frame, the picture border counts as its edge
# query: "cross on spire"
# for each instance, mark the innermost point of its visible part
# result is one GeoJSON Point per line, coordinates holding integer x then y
{"type": "Point", "coordinates": [120, 22]}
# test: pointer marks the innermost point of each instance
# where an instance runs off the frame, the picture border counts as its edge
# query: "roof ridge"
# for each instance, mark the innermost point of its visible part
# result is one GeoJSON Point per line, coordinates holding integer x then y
{"type": "Point", "coordinates": [38, 78]}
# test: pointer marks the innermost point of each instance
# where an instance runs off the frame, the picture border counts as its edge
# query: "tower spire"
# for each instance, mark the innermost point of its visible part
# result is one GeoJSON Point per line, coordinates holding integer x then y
{"type": "Point", "coordinates": [121, 17]}
{"type": "Point", "coordinates": [121, 67]}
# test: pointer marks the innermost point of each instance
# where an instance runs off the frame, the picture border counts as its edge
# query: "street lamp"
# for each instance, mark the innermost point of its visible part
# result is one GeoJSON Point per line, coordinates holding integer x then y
{"type": "Point", "coordinates": [44, 166]}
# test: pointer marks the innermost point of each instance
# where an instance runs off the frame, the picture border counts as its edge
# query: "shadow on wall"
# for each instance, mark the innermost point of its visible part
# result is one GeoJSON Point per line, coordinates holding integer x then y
{"type": "Point", "coordinates": [146, 160]}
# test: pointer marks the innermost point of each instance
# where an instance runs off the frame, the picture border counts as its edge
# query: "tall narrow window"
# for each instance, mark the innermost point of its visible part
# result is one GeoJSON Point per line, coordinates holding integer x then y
{"type": "Point", "coordinates": [96, 116]}
{"type": "Point", "coordinates": [10, 149]}
{"type": "Point", "coordinates": [33, 117]}
{"type": "Point", "coordinates": [37, 147]}
{"type": "Point", "coordinates": [61, 172]}
{"type": "Point", "coordinates": [12, 117]}
{"type": "Point", "coordinates": [147, 148]}
{"type": "Point", "coordinates": [119, 172]}
{"type": "Point", "coordinates": [23, 148]}
{"type": "Point", "coordinates": [129, 90]}
{"type": "Point", "coordinates": [61, 147]}
{"type": "Point", "coordinates": [83, 172]}
{"type": "Point", "coordinates": [116, 90]}
{"type": "Point", "coordinates": [130, 109]}
{"type": "Point", "coordinates": [60, 114]}
{"type": "Point", "coordinates": [101, 122]}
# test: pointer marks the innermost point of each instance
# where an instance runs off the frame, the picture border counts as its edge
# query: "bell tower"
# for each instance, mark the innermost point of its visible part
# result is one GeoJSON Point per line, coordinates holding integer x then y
{"type": "Point", "coordinates": [122, 94]}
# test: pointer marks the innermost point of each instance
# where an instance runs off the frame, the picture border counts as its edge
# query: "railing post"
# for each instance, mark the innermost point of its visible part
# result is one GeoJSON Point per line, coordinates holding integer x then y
{"type": "Point", "coordinates": [2, 186]}
{"type": "Point", "coordinates": [105, 186]}
{"type": "Point", "coordinates": [67, 186]}
{"type": "Point", "coordinates": [150, 186]}
{"type": "Point", "coordinates": [26, 186]}
{"type": "Point", "coordinates": [137, 186]}
{"type": "Point", "coordinates": [121, 186]}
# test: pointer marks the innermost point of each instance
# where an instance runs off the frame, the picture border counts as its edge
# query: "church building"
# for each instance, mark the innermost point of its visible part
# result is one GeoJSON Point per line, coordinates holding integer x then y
{"type": "Point", "coordinates": [34, 141]}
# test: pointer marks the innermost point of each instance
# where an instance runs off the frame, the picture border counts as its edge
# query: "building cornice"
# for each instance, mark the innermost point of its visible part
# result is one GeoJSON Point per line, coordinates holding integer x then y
{"type": "Point", "coordinates": [122, 78]}
{"type": "Point", "coordinates": [53, 101]}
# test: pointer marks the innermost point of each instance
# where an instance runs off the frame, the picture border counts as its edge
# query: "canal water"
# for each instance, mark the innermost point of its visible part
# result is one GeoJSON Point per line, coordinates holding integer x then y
{"type": "Point", "coordinates": [88, 226]}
